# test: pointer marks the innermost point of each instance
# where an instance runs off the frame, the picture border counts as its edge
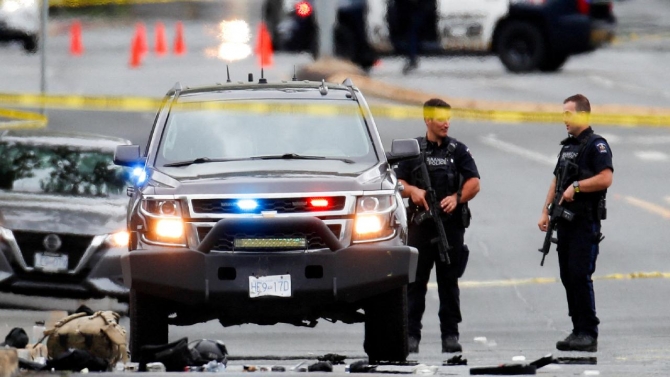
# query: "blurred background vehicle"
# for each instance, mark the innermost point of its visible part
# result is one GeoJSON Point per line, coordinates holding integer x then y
{"type": "Point", "coordinates": [20, 21]}
{"type": "Point", "coordinates": [526, 35]}
{"type": "Point", "coordinates": [62, 215]}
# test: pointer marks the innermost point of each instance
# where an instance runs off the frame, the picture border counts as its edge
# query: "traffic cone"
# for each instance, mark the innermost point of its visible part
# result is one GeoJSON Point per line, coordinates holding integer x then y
{"type": "Point", "coordinates": [179, 44]}
{"type": "Point", "coordinates": [160, 47]}
{"type": "Point", "coordinates": [264, 46]}
{"type": "Point", "coordinates": [136, 51]}
{"type": "Point", "coordinates": [141, 36]}
{"type": "Point", "coordinates": [76, 45]}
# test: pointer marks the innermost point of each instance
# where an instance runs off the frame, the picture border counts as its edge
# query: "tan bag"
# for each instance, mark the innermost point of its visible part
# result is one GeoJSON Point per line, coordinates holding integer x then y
{"type": "Point", "coordinates": [99, 333]}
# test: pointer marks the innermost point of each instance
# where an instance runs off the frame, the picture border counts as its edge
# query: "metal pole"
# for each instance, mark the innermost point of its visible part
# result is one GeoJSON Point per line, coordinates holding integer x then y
{"type": "Point", "coordinates": [326, 13]}
{"type": "Point", "coordinates": [42, 47]}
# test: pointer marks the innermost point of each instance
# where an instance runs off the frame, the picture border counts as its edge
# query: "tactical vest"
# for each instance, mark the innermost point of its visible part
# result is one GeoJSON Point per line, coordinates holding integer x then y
{"type": "Point", "coordinates": [435, 164]}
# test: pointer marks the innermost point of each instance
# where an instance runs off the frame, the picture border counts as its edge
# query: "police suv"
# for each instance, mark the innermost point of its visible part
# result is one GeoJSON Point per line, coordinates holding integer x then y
{"type": "Point", "coordinates": [20, 21]}
{"type": "Point", "coordinates": [526, 35]}
{"type": "Point", "coordinates": [268, 203]}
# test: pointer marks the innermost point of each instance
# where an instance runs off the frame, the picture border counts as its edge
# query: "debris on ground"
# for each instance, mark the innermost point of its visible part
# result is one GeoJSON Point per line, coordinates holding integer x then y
{"type": "Point", "coordinates": [456, 360]}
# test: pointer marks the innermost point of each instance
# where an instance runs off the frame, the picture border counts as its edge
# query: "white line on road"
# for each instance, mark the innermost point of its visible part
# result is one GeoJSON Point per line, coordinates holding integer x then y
{"type": "Point", "coordinates": [648, 206]}
{"type": "Point", "coordinates": [652, 156]}
{"type": "Point", "coordinates": [491, 140]}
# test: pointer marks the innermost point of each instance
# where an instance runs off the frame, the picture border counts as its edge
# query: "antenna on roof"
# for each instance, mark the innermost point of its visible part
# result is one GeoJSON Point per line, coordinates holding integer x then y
{"type": "Point", "coordinates": [295, 76]}
{"type": "Point", "coordinates": [323, 89]}
{"type": "Point", "coordinates": [227, 73]}
{"type": "Point", "coordinates": [262, 80]}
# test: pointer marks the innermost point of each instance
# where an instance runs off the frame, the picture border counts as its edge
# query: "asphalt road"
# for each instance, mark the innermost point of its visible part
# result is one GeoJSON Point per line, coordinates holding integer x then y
{"type": "Point", "coordinates": [517, 315]}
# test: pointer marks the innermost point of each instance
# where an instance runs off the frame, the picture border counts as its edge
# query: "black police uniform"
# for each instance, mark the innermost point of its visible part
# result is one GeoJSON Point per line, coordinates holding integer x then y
{"type": "Point", "coordinates": [578, 239]}
{"type": "Point", "coordinates": [445, 171]}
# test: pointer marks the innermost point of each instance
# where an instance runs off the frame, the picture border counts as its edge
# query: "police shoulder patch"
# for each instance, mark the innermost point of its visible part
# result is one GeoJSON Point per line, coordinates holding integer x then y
{"type": "Point", "coordinates": [602, 147]}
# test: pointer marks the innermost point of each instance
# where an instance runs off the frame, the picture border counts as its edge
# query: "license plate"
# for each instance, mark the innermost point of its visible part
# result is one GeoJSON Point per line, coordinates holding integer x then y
{"type": "Point", "coordinates": [51, 262]}
{"type": "Point", "coordinates": [275, 285]}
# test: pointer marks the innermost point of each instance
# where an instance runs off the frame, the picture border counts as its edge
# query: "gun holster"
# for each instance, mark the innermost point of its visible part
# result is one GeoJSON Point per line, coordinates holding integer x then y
{"type": "Point", "coordinates": [466, 215]}
{"type": "Point", "coordinates": [465, 255]}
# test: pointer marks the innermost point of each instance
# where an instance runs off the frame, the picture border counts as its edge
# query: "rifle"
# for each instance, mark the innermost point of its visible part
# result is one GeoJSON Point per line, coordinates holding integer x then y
{"type": "Point", "coordinates": [565, 174]}
{"type": "Point", "coordinates": [433, 212]}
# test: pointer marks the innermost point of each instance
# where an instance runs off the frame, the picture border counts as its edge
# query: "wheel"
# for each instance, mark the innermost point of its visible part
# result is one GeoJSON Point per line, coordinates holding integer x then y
{"type": "Point", "coordinates": [386, 326]}
{"type": "Point", "coordinates": [30, 44]}
{"type": "Point", "coordinates": [148, 322]}
{"type": "Point", "coordinates": [520, 46]}
{"type": "Point", "coordinates": [553, 63]}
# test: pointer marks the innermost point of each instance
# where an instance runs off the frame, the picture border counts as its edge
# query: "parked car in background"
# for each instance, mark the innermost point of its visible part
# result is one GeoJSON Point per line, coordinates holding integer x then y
{"type": "Point", "coordinates": [62, 215]}
{"type": "Point", "coordinates": [526, 35]}
{"type": "Point", "coordinates": [20, 21]}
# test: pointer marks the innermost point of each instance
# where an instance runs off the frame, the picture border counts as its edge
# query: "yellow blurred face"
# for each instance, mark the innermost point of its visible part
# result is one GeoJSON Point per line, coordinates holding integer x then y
{"type": "Point", "coordinates": [575, 121]}
{"type": "Point", "coordinates": [438, 122]}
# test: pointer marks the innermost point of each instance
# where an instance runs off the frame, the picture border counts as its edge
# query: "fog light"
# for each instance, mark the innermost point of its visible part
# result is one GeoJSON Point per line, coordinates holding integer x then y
{"type": "Point", "coordinates": [368, 224]}
{"type": "Point", "coordinates": [120, 239]}
{"type": "Point", "coordinates": [169, 228]}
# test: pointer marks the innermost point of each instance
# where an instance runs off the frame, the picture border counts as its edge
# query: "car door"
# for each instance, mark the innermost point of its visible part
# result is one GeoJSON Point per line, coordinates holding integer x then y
{"type": "Point", "coordinates": [468, 25]}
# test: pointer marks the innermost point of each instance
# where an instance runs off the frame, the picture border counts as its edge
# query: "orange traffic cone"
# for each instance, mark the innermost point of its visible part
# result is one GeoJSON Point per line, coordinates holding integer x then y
{"type": "Point", "coordinates": [179, 44]}
{"type": "Point", "coordinates": [136, 51]}
{"type": "Point", "coordinates": [264, 46]}
{"type": "Point", "coordinates": [160, 48]}
{"type": "Point", "coordinates": [141, 35]}
{"type": "Point", "coordinates": [76, 46]}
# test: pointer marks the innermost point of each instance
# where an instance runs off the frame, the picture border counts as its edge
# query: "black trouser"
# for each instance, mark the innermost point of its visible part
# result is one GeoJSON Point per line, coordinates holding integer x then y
{"type": "Point", "coordinates": [577, 253]}
{"type": "Point", "coordinates": [447, 277]}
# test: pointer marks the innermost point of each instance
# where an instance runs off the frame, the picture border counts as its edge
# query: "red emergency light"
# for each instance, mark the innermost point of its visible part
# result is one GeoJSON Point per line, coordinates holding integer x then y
{"type": "Point", "coordinates": [584, 7]}
{"type": "Point", "coordinates": [319, 203]}
{"type": "Point", "coordinates": [303, 9]}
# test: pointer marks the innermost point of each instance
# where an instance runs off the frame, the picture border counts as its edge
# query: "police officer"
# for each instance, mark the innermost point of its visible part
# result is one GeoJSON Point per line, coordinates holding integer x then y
{"type": "Point", "coordinates": [578, 239]}
{"type": "Point", "coordinates": [454, 176]}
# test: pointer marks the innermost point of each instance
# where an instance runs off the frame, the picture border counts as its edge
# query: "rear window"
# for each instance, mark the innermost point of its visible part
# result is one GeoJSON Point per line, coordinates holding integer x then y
{"type": "Point", "coordinates": [245, 129]}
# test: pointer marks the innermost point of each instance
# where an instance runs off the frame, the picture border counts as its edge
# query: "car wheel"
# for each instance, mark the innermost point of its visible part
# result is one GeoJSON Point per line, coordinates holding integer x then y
{"type": "Point", "coordinates": [520, 46]}
{"type": "Point", "coordinates": [148, 322]}
{"type": "Point", "coordinates": [30, 44]}
{"type": "Point", "coordinates": [553, 63]}
{"type": "Point", "coordinates": [386, 326]}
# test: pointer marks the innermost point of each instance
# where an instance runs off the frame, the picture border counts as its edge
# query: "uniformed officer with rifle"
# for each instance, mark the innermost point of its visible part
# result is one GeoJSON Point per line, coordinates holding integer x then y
{"type": "Point", "coordinates": [439, 185]}
{"type": "Point", "coordinates": [575, 206]}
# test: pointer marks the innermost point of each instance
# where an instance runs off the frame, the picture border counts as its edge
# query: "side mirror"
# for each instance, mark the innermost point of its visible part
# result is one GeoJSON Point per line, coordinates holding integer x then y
{"type": "Point", "coordinates": [128, 155]}
{"type": "Point", "coordinates": [403, 149]}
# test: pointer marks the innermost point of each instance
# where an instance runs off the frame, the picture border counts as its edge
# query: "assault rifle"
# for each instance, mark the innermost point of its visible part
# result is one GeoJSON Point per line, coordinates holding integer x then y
{"type": "Point", "coordinates": [568, 171]}
{"type": "Point", "coordinates": [434, 212]}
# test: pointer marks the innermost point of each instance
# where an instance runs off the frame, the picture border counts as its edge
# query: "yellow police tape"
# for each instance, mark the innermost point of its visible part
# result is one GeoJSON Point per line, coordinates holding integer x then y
{"type": "Point", "coordinates": [514, 282]}
{"type": "Point", "coordinates": [21, 119]}
{"type": "Point", "coordinates": [144, 104]}
{"type": "Point", "coordinates": [93, 3]}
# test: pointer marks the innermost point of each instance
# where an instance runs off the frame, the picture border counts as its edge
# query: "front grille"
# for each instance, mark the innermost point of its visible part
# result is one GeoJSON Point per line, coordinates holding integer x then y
{"type": "Point", "coordinates": [281, 205]}
{"type": "Point", "coordinates": [227, 241]}
{"type": "Point", "coordinates": [72, 245]}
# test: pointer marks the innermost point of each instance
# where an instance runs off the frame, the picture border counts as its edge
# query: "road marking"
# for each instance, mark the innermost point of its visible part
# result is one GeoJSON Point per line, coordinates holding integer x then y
{"type": "Point", "coordinates": [648, 206]}
{"type": "Point", "coordinates": [529, 281]}
{"type": "Point", "coordinates": [651, 156]}
{"type": "Point", "coordinates": [504, 146]}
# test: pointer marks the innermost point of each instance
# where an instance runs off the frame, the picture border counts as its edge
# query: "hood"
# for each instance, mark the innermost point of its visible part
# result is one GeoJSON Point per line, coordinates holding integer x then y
{"type": "Point", "coordinates": [275, 181]}
{"type": "Point", "coordinates": [61, 214]}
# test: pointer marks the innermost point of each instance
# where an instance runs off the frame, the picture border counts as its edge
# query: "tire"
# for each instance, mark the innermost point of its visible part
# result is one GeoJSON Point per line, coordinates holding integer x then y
{"type": "Point", "coordinates": [148, 322]}
{"type": "Point", "coordinates": [386, 326]}
{"type": "Point", "coordinates": [553, 63]}
{"type": "Point", "coordinates": [30, 44]}
{"type": "Point", "coordinates": [520, 46]}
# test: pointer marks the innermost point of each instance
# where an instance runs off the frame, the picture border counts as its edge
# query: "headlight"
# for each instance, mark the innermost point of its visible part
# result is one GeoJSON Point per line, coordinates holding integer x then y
{"type": "Point", "coordinates": [162, 207]}
{"type": "Point", "coordinates": [373, 218]}
{"type": "Point", "coordinates": [171, 229]}
{"type": "Point", "coordinates": [164, 223]}
{"type": "Point", "coordinates": [119, 239]}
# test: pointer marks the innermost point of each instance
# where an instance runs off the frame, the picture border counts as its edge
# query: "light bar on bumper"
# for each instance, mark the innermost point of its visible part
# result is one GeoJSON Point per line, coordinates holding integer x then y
{"type": "Point", "coordinates": [373, 221]}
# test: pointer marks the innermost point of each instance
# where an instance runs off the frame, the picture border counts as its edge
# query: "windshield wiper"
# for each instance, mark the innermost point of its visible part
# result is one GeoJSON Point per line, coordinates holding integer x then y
{"type": "Point", "coordinates": [294, 156]}
{"type": "Point", "coordinates": [199, 160]}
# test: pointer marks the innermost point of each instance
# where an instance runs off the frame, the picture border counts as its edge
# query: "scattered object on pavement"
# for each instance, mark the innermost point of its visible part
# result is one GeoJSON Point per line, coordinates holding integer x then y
{"type": "Point", "coordinates": [77, 359]}
{"type": "Point", "coordinates": [17, 338]}
{"type": "Point", "coordinates": [480, 339]}
{"type": "Point", "coordinates": [590, 360]}
{"type": "Point", "coordinates": [100, 334]}
{"type": "Point", "coordinates": [249, 368]}
{"type": "Point", "coordinates": [456, 360]}
{"type": "Point", "coordinates": [297, 366]}
{"type": "Point", "coordinates": [175, 356]}
{"type": "Point", "coordinates": [278, 368]}
{"type": "Point", "coordinates": [207, 350]}
{"type": "Point", "coordinates": [505, 369]}
{"type": "Point", "coordinates": [335, 359]}
{"type": "Point", "coordinates": [422, 369]}
{"type": "Point", "coordinates": [9, 362]}
{"type": "Point", "coordinates": [131, 367]}
{"type": "Point", "coordinates": [398, 363]}
{"type": "Point", "coordinates": [216, 367]}
{"type": "Point", "coordinates": [321, 366]}
{"type": "Point", "coordinates": [156, 367]}
{"type": "Point", "coordinates": [519, 358]}
{"type": "Point", "coordinates": [592, 373]}
{"type": "Point", "coordinates": [360, 366]}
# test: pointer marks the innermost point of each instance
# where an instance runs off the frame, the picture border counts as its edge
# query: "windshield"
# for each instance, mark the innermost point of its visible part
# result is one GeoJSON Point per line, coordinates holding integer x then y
{"type": "Point", "coordinates": [245, 130]}
{"type": "Point", "coordinates": [60, 170]}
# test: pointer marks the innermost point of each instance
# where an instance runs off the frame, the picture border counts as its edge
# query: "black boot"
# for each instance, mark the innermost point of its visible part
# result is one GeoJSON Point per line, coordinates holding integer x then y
{"type": "Point", "coordinates": [450, 344]}
{"type": "Point", "coordinates": [564, 345]}
{"type": "Point", "coordinates": [585, 343]}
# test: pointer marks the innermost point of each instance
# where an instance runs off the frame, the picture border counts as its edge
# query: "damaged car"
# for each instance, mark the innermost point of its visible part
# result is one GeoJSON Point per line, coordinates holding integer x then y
{"type": "Point", "coordinates": [62, 215]}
